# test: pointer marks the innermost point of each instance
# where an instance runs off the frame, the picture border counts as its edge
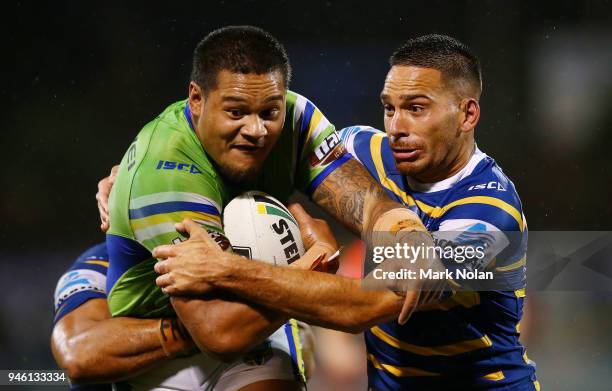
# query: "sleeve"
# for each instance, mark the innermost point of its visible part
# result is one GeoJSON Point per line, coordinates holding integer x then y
{"type": "Point", "coordinates": [485, 232]}
{"type": "Point", "coordinates": [358, 141]}
{"type": "Point", "coordinates": [319, 147]}
{"type": "Point", "coordinates": [170, 180]}
{"type": "Point", "coordinates": [83, 281]}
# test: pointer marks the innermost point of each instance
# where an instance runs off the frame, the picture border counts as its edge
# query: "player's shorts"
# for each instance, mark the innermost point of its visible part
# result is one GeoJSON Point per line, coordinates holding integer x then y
{"type": "Point", "coordinates": [279, 358]}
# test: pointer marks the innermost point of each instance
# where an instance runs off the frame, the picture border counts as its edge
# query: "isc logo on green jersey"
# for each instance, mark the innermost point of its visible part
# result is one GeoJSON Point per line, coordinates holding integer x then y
{"type": "Point", "coordinates": [168, 165]}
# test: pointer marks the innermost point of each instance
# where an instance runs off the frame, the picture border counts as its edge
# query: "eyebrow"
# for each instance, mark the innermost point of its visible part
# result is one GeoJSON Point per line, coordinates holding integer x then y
{"type": "Point", "coordinates": [405, 97]}
{"type": "Point", "coordinates": [234, 98]}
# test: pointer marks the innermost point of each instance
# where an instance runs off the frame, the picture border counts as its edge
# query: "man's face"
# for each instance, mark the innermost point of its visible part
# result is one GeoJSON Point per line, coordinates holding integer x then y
{"type": "Point", "coordinates": [422, 119]}
{"type": "Point", "coordinates": [240, 121]}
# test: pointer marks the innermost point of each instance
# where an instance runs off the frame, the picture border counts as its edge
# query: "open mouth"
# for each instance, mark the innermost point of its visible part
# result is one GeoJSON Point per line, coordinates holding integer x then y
{"type": "Point", "coordinates": [247, 148]}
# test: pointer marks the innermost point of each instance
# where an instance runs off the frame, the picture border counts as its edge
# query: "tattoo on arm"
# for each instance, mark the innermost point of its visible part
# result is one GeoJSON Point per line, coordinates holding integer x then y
{"type": "Point", "coordinates": [348, 193]}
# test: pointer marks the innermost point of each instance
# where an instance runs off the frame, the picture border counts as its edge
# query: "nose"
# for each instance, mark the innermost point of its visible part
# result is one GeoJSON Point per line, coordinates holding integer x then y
{"type": "Point", "coordinates": [398, 126]}
{"type": "Point", "coordinates": [254, 129]}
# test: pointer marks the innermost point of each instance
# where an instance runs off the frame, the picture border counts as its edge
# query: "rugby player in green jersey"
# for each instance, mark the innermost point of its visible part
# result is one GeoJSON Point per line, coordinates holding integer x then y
{"type": "Point", "coordinates": [240, 129]}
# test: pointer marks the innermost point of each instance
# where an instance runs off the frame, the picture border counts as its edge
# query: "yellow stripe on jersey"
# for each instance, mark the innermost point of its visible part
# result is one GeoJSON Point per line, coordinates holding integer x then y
{"type": "Point", "coordinates": [172, 217]}
{"type": "Point", "coordinates": [512, 266]}
{"type": "Point", "coordinates": [98, 262]}
{"type": "Point", "coordinates": [495, 376]}
{"type": "Point", "coordinates": [511, 210]}
{"type": "Point", "coordinates": [295, 334]}
{"type": "Point", "coordinates": [536, 384]}
{"type": "Point", "coordinates": [434, 212]}
{"type": "Point", "coordinates": [399, 371]}
{"type": "Point", "coordinates": [442, 350]}
{"type": "Point", "coordinates": [314, 122]}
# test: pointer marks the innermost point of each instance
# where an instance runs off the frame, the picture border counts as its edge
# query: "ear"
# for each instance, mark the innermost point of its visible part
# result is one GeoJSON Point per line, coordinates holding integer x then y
{"type": "Point", "coordinates": [196, 99]}
{"type": "Point", "coordinates": [471, 114]}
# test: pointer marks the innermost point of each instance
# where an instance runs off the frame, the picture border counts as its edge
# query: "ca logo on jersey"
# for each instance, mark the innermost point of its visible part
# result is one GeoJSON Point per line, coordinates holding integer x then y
{"type": "Point", "coordinates": [493, 185]}
{"type": "Point", "coordinates": [329, 150]}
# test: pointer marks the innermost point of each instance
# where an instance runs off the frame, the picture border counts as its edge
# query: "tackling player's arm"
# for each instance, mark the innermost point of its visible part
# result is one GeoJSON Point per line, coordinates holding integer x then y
{"type": "Point", "coordinates": [92, 346]}
{"type": "Point", "coordinates": [321, 299]}
{"type": "Point", "coordinates": [335, 181]}
{"type": "Point", "coordinates": [354, 198]}
{"type": "Point", "coordinates": [95, 348]}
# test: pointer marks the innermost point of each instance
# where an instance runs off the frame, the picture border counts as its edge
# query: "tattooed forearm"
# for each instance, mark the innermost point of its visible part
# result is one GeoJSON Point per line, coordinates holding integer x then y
{"type": "Point", "coordinates": [351, 195]}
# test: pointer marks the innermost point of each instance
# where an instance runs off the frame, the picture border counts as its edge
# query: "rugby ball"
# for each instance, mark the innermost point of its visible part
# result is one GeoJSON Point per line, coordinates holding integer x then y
{"type": "Point", "coordinates": [260, 227]}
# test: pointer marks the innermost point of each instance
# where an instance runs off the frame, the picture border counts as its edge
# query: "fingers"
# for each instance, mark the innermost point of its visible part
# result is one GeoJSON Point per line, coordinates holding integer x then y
{"type": "Point", "coordinates": [408, 307]}
{"type": "Point", "coordinates": [163, 252]}
{"type": "Point", "coordinates": [113, 173]}
{"type": "Point", "coordinates": [191, 227]}
{"type": "Point", "coordinates": [166, 280]}
{"type": "Point", "coordinates": [161, 267]}
{"type": "Point", "coordinates": [104, 226]}
{"type": "Point", "coordinates": [163, 281]}
{"type": "Point", "coordinates": [193, 230]}
{"type": "Point", "coordinates": [102, 194]}
{"type": "Point", "coordinates": [299, 213]}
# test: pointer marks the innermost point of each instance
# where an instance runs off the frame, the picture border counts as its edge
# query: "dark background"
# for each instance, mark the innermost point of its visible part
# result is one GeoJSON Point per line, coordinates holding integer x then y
{"type": "Point", "coordinates": [79, 82]}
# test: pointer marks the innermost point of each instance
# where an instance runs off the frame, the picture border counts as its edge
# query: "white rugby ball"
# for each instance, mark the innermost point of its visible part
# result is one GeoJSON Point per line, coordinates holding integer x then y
{"type": "Point", "coordinates": [260, 227]}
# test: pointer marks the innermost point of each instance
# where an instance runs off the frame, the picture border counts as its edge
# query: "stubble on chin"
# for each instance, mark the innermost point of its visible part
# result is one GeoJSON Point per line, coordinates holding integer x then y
{"type": "Point", "coordinates": [237, 178]}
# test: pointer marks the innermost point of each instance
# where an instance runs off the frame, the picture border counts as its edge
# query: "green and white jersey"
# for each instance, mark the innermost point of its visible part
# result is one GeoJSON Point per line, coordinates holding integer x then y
{"type": "Point", "coordinates": [166, 176]}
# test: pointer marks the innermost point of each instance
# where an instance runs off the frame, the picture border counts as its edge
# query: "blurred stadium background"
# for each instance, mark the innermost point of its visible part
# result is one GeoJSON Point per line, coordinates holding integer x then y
{"type": "Point", "coordinates": [79, 82]}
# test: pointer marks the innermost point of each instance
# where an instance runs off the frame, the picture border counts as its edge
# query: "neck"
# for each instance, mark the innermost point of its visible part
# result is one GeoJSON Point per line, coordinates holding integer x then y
{"type": "Point", "coordinates": [449, 169]}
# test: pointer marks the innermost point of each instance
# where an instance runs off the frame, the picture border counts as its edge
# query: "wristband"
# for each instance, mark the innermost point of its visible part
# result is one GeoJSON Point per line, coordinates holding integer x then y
{"type": "Point", "coordinates": [398, 219]}
{"type": "Point", "coordinates": [318, 253]}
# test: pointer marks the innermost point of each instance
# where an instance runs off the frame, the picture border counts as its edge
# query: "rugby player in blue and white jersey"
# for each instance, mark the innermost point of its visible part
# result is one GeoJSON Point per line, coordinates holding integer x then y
{"type": "Point", "coordinates": [428, 160]}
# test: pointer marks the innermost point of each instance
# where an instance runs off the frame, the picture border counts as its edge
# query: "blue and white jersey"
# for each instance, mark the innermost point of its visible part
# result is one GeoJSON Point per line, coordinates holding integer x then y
{"type": "Point", "coordinates": [85, 279]}
{"type": "Point", "coordinates": [471, 339]}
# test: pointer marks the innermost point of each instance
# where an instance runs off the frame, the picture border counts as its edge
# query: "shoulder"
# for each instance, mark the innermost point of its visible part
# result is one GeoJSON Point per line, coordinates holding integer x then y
{"type": "Point", "coordinates": [170, 139]}
{"type": "Point", "coordinates": [487, 194]}
{"type": "Point", "coordinates": [305, 117]}
{"type": "Point", "coordinates": [357, 139]}
{"type": "Point", "coordinates": [171, 158]}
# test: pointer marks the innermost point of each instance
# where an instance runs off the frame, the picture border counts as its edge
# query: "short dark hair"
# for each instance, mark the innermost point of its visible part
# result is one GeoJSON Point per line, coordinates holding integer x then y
{"type": "Point", "coordinates": [448, 55]}
{"type": "Point", "coordinates": [239, 49]}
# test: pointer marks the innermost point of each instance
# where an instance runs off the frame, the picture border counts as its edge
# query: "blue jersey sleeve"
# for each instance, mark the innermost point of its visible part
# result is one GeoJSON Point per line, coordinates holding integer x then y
{"type": "Point", "coordinates": [486, 211]}
{"type": "Point", "coordinates": [84, 280]}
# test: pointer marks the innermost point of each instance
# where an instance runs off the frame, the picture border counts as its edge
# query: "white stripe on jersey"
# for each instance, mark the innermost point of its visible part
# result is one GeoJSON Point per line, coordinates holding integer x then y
{"type": "Point", "coordinates": [172, 196]}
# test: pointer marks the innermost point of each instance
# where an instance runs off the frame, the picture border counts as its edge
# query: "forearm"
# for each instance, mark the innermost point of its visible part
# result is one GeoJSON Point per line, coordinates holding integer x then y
{"type": "Point", "coordinates": [317, 298]}
{"type": "Point", "coordinates": [222, 325]}
{"type": "Point", "coordinates": [111, 350]}
{"type": "Point", "coordinates": [353, 197]}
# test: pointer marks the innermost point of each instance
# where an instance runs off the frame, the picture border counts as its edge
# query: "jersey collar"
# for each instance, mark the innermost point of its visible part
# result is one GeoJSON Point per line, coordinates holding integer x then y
{"type": "Point", "coordinates": [188, 116]}
{"type": "Point", "coordinates": [447, 183]}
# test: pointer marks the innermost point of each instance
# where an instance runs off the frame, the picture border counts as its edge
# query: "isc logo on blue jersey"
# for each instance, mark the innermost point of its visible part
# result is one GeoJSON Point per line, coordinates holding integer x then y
{"type": "Point", "coordinates": [493, 185]}
{"type": "Point", "coordinates": [168, 165]}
